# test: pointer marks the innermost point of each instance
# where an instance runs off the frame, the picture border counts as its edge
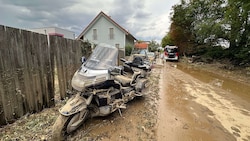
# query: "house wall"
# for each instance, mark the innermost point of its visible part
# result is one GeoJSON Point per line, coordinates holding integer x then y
{"type": "Point", "coordinates": [66, 33]}
{"type": "Point", "coordinates": [54, 30]}
{"type": "Point", "coordinates": [102, 26]}
{"type": "Point", "coordinates": [129, 41]}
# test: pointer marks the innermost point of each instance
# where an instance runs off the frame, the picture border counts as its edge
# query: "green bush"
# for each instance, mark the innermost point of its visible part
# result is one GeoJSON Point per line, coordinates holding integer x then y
{"type": "Point", "coordinates": [128, 50]}
{"type": "Point", "coordinates": [242, 57]}
{"type": "Point", "coordinates": [86, 48]}
{"type": "Point", "coordinates": [215, 52]}
{"type": "Point", "coordinates": [199, 50]}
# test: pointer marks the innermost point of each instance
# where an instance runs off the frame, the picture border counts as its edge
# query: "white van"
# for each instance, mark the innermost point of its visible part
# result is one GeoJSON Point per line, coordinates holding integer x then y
{"type": "Point", "coordinates": [171, 53]}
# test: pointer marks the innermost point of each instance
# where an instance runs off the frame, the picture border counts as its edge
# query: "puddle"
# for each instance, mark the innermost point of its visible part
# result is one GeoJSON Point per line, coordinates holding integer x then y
{"type": "Point", "coordinates": [240, 89]}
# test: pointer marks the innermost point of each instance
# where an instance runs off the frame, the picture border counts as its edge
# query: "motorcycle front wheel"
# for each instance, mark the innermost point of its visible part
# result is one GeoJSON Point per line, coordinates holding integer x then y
{"type": "Point", "coordinates": [63, 125]}
{"type": "Point", "coordinates": [59, 130]}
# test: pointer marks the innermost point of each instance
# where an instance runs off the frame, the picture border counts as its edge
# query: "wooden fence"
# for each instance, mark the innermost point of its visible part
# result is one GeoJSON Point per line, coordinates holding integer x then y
{"type": "Point", "coordinates": [27, 66]}
{"type": "Point", "coordinates": [67, 55]}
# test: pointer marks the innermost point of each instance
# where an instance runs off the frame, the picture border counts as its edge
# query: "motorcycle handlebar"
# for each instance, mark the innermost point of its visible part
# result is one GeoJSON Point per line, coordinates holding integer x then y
{"type": "Point", "coordinates": [123, 59]}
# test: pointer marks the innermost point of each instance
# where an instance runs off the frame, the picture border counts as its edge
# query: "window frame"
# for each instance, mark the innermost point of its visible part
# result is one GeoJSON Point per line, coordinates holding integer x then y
{"type": "Point", "coordinates": [111, 33]}
{"type": "Point", "coordinates": [94, 34]}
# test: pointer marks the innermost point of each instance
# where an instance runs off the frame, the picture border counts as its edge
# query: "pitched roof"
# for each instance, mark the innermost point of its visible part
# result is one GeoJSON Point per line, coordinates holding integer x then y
{"type": "Point", "coordinates": [109, 19]}
{"type": "Point", "coordinates": [141, 45]}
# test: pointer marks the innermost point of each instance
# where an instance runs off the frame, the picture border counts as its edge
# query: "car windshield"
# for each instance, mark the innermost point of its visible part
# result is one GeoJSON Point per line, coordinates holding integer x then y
{"type": "Point", "coordinates": [103, 57]}
{"type": "Point", "coordinates": [171, 50]}
{"type": "Point", "coordinates": [139, 51]}
{"type": "Point", "coordinates": [144, 52]}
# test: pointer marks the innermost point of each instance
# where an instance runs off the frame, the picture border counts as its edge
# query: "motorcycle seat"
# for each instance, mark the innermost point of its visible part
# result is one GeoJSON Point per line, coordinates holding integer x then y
{"type": "Point", "coordinates": [125, 81]}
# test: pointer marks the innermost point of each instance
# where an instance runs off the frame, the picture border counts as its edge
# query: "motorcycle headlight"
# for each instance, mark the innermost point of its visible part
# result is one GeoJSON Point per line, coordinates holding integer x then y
{"type": "Point", "coordinates": [79, 82]}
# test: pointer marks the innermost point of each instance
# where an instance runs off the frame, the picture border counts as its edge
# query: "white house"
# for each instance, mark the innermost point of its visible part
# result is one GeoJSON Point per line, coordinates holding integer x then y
{"type": "Point", "coordinates": [103, 29]}
{"type": "Point", "coordinates": [55, 31]}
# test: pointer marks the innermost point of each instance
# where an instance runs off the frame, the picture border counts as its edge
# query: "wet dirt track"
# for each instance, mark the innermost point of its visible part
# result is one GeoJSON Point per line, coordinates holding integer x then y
{"type": "Point", "coordinates": [199, 106]}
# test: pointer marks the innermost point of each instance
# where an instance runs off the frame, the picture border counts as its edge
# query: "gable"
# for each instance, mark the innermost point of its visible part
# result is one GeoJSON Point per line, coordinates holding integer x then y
{"type": "Point", "coordinates": [103, 26]}
{"type": "Point", "coordinates": [100, 18]}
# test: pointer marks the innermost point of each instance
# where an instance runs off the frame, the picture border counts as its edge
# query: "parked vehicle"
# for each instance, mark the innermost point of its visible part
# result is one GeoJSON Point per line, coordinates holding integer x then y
{"type": "Point", "coordinates": [171, 53]}
{"type": "Point", "coordinates": [143, 55]}
{"type": "Point", "coordinates": [100, 88]}
{"type": "Point", "coordinates": [151, 56]}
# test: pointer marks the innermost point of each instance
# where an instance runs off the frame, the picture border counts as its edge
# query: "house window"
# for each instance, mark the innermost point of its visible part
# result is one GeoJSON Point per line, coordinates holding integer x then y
{"type": "Point", "coordinates": [117, 45]}
{"type": "Point", "coordinates": [94, 34]}
{"type": "Point", "coordinates": [111, 33]}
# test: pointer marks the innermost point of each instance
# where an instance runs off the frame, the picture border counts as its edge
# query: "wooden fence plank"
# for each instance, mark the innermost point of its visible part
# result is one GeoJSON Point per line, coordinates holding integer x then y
{"type": "Point", "coordinates": [10, 78]}
{"type": "Point", "coordinates": [28, 70]}
{"type": "Point", "coordinates": [7, 77]}
{"type": "Point", "coordinates": [2, 71]}
{"type": "Point", "coordinates": [62, 77]}
{"type": "Point", "coordinates": [2, 115]}
{"type": "Point", "coordinates": [68, 64]}
{"type": "Point", "coordinates": [59, 64]}
{"type": "Point", "coordinates": [39, 70]}
{"type": "Point", "coordinates": [31, 66]}
{"type": "Point", "coordinates": [49, 69]}
{"type": "Point", "coordinates": [17, 68]}
{"type": "Point", "coordinates": [68, 54]}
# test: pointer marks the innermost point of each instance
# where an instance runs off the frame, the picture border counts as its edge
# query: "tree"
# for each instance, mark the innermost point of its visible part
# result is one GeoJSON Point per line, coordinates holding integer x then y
{"type": "Point", "coordinates": [207, 21]}
{"type": "Point", "coordinates": [205, 24]}
{"type": "Point", "coordinates": [237, 17]}
{"type": "Point", "coordinates": [152, 46]}
{"type": "Point", "coordinates": [167, 40]}
{"type": "Point", "coordinates": [181, 28]}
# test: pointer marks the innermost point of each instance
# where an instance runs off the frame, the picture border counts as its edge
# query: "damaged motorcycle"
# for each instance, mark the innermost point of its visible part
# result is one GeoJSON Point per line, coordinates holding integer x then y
{"type": "Point", "coordinates": [100, 88]}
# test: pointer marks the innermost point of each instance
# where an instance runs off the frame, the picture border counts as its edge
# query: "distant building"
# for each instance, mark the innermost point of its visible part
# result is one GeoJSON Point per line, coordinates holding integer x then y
{"type": "Point", "coordinates": [55, 31]}
{"type": "Point", "coordinates": [141, 45]}
{"type": "Point", "coordinates": [103, 29]}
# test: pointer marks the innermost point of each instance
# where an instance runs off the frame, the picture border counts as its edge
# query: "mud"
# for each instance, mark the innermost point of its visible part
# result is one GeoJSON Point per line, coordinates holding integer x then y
{"type": "Point", "coordinates": [199, 105]}
{"type": "Point", "coordinates": [237, 88]}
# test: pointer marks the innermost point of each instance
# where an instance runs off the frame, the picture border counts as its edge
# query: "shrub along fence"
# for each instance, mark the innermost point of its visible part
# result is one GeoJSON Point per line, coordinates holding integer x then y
{"type": "Point", "coordinates": [27, 65]}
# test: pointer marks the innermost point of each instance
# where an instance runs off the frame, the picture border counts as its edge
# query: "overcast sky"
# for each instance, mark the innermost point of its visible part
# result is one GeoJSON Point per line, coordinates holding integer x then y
{"type": "Point", "coordinates": [145, 19]}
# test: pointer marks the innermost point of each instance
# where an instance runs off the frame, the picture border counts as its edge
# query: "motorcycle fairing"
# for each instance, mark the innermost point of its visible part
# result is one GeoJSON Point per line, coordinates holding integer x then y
{"type": "Point", "coordinates": [96, 69]}
{"type": "Point", "coordinates": [74, 105]}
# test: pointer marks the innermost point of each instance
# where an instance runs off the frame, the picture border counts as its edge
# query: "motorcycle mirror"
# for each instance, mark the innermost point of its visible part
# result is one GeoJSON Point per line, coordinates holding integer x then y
{"type": "Point", "coordinates": [83, 59]}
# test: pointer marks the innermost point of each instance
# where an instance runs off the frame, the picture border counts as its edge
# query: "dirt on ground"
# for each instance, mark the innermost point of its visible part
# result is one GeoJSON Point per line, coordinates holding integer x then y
{"type": "Point", "coordinates": [203, 102]}
{"type": "Point", "coordinates": [184, 102]}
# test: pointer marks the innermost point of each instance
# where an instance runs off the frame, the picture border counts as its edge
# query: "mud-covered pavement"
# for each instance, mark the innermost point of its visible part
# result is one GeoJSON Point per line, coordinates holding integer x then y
{"type": "Point", "coordinates": [197, 105]}
{"type": "Point", "coordinates": [182, 103]}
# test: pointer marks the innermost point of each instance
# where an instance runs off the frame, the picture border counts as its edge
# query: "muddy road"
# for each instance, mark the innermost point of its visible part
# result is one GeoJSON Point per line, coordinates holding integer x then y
{"type": "Point", "coordinates": [182, 103]}
{"type": "Point", "coordinates": [196, 105]}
